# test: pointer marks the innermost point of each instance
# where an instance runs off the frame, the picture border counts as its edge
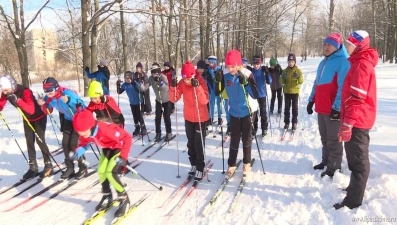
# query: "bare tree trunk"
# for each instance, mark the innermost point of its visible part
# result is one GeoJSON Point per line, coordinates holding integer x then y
{"type": "Point", "coordinates": [201, 18]}
{"type": "Point", "coordinates": [178, 39]}
{"type": "Point", "coordinates": [123, 39]}
{"type": "Point", "coordinates": [186, 25]}
{"type": "Point", "coordinates": [208, 28]}
{"type": "Point", "coordinates": [162, 30]}
{"type": "Point", "coordinates": [94, 37]}
{"type": "Point", "coordinates": [218, 34]}
{"type": "Point", "coordinates": [85, 9]}
{"type": "Point", "coordinates": [156, 58]}
{"type": "Point", "coordinates": [331, 16]}
{"type": "Point", "coordinates": [374, 39]}
{"type": "Point", "coordinates": [170, 33]}
{"type": "Point", "coordinates": [75, 53]}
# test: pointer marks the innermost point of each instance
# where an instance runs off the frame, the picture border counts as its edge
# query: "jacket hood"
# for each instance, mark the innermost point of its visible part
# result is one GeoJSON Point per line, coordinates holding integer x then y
{"type": "Point", "coordinates": [369, 54]}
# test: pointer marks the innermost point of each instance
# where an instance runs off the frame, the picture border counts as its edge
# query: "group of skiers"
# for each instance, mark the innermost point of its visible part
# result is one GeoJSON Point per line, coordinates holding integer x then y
{"type": "Point", "coordinates": [338, 94]}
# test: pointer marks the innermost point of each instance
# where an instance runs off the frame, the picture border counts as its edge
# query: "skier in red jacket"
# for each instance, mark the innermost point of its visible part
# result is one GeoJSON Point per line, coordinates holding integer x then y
{"type": "Point", "coordinates": [195, 99]}
{"type": "Point", "coordinates": [116, 145]}
{"type": "Point", "coordinates": [358, 113]}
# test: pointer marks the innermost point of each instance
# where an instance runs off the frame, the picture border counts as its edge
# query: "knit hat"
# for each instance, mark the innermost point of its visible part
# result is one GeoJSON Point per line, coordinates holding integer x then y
{"type": "Point", "coordinates": [83, 121]}
{"type": "Point", "coordinates": [8, 81]}
{"type": "Point", "coordinates": [201, 64]}
{"type": "Point", "coordinates": [128, 74]}
{"type": "Point", "coordinates": [273, 62]}
{"type": "Point", "coordinates": [155, 68]}
{"type": "Point", "coordinates": [188, 70]}
{"type": "Point", "coordinates": [233, 58]}
{"type": "Point", "coordinates": [50, 85]}
{"type": "Point", "coordinates": [167, 64]}
{"type": "Point", "coordinates": [103, 62]}
{"type": "Point", "coordinates": [212, 59]}
{"type": "Point", "coordinates": [139, 64]}
{"type": "Point", "coordinates": [334, 39]}
{"type": "Point", "coordinates": [95, 90]}
{"type": "Point", "coordinates": [292, 56]}
{"type": "Point", "coordinates": [357, 37]}
{"type": "Point", "coordinates": [256, 60]}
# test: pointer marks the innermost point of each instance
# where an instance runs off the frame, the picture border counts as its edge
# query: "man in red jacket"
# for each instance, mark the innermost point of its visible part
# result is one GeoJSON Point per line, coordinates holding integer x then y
{"type": "Point", "coordinates": [358, 113]}
{"type": "Point", "coordinates": [23, 98]}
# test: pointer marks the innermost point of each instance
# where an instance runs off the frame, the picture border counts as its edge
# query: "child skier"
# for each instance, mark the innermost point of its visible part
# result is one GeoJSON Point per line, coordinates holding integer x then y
{"type": "Point", "coordinates": [135, 96]}
{"type": "Point", "coordinates": [146, 105]}
{"type": "Point", "coordinates": [291, 79]}
{"type": "Point", "coordinates": [23, 98]}
{"type": "Point", "coordinates": [102, 75]}
{"type": "Point", "coordinates": [262, 77]}
{"type": "Point", "coordinates": [195, 99]}
{"type": "Point", "coordinates": [238, 82]}
{"type": "Point", "coordinates": [276, 87]}
{"type": "Point", "coordinates": [159, 83]}
{"type": "Point", "coordinates": [169, 72]}
{"type": "Point", "coordinates": [116, 145]}
{"type": "Point", "coordinates": [104, 106]}
{"type": "Point", "coordinates": [254, 106]}
{"type": "Point", "coordinates": [65, 101]}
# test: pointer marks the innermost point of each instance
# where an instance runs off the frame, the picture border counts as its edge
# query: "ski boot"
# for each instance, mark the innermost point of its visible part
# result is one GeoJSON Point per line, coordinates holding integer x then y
{"type": "Point", "coordinates": [143, 130]}
{"type": "Point", "coordinates": [137, 130]}
{"type": "Point", "coordinates": [286, 126]}
{"type": "Point", "coordinates": [69, 173]}
{"type": "Point", "coordinates": [220, 121]}
{"type": "Point", "coordinates": [82, 169]}
{"type": "Point", "coordinates": [199, 176]}
{"type": "Point", "coordinates": [327, 173]}
{"type": "Point", "coordinates": [168, 137]}
{"type": "Point", "coordinates": [105, 201]}
{"type": "Point", "coordinates": [47, 171]}
{"type": "Point", "coordinates": [246, 169]}
{"type": "Point", "coordinates": [32, 172]}
{"type": "Point", "coordinates": [264, 133]}
{"type": "Point", "coordinates": [192, 171]}
{"type": "Point", "coordinates": [230, 171]}
{"type": "Point", "coordinates": [294, 126]}
{"type": "Point", "coordinates": [228, 130]}
{"type": "Point", "coordinates": [157, 137]}
{"type": "Point", "coordinates": [124, 204]}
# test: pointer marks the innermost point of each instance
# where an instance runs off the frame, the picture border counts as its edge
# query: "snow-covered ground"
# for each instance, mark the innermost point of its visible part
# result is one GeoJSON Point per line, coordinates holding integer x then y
{"type": "Point", "coordinates": [290, 192]}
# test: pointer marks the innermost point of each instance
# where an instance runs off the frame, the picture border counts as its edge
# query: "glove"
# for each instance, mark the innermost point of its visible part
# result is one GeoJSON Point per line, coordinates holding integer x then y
{"type": "Point", "coordinates": [264, 69]}
{"type": "Point", "coordinates": [309, 108]}
{"type": "Point", "coordinates": [87, 69]}
{"type": "Point", "coordinates": [335, 115]}
{"type": "Point", "coordinates": [345, 133]}
{"type": "Point", "coordinates": [157, 79]}
{"type": "Point", "coordinates": [242, 78]}
{"type": "Point", "coordinates": [161, 83]}
{"type": "Point", "coordinates": [174, 82]}
{"type": "Point", "coordinates": [194, 82]}
{"type": "Point", "coordinates": [12, 98]}
{"type": "Point", "coordinates": [218, 75]}
{"type": "Point", "coordinates": [295, 75]}
{"type": "Point", "coordinates": [172, 68]}
{"type": "Point", "coordinates": [118, 82]}
{"type": "Point", "coordinates": [121, 162]}
{"type": "Point", "coordinates": [103, 99]}
{"type": "Point", "coordinates": [65, 99]}
{"type": "Point", "coordinates": [78, 153]}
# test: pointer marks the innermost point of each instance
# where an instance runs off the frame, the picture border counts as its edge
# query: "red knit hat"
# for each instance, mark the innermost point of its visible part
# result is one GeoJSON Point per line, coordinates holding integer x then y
{"type": "Point", "coordinates": [188, 70]}
{"type": "Point", "coordinates": [233, 58]}
{"type": "Point", "coordinates": [83, 121]}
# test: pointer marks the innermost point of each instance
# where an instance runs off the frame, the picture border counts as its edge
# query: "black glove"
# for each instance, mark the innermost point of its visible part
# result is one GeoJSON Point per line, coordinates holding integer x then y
{"type": "Point", "coordinates": [121, 162]}
{"type": "Point", "coordinates": [157, 79]}
{"type": "Point", "coordinates": [295, 75]}
{"type": "Point", "coordinates": [309, 108]}
{"type": "Point", "coordinates": [218, 75]}
{"type": "Point", "coordinates": [12, 98]}
{"type": "Point", "coordinates": [265, 69]}
{"type": "Point", "coordinates": [194, 82]}
{"type": "Point", "coordinates": [242, 78]}
{"type": "Point", "coordinates": [87, 69]}
{"type": "Point", "coordinates": [174, 82]}
{"type": "Point", "coordinates": [335, 115]}
{"type": "Point", "coordinates": [172, 68]}
{"type": "Point", "coordinates": [103, 99]}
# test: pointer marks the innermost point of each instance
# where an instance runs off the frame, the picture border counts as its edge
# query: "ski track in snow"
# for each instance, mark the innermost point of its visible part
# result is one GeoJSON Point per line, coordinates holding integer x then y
{"type": "Point", "coordinates": [290, 192]}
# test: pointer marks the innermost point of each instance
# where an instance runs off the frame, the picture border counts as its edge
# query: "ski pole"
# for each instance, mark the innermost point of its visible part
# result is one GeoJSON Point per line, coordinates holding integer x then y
{"type": "Point", "coordinates": [136, 172]}
{"type": "Point", "coordinates": [37, 136]}
{"type": "Point", "coordinates": [223, 152]}
{"type": "Point", "coordinates": [12, 134]}
{"type": "Point", "coordinates": [176, 128]}
{"type": "Point", "coordinates": [200, 125]}
{"type": "Point", "coordinates": [53, 128]}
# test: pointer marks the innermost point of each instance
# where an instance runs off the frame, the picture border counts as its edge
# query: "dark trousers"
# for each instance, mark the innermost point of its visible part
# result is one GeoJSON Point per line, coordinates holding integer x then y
{"type": "Point", "coordinates": [357, 159]}
{"type": "Point", "coordinates": [110, 153]}
{"type": "Point", "coordinates": [69, 143]}
{"type": "Point", "coordinates": [40, 127]}
{"type": "Point", "coordinates": [262, 113]}
{"type": "Point", "coordinates": [254, 116]}
{"type": "Point", "coordinates": [137, 114]}
{"type": "Point", "coordinates": [279, 94]}
{"type": "Point", "coordinates": [241, 128]}
{"type": "Point", "coordinates": [194, 145]}
{"type": "Point", "coordinates": [148, 105]}
{"type": "Point", "coordinates": [163, 110]}
{"type": "Point", "coordinates": [332, 148]}
{"type": "Point", "coordinates": [291, 99]}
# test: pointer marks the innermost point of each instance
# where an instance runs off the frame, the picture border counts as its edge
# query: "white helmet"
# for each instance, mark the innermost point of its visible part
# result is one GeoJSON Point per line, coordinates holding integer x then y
{"type": "Point", "coordinates": [8, 81]}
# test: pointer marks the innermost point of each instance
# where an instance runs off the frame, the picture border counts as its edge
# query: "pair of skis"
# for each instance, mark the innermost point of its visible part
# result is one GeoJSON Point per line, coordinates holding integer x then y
{"type": "Point", "coordinates": [291, 136]}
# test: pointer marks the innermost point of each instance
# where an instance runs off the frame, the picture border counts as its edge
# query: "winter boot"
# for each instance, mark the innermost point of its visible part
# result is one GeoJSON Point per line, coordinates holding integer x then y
{"type": "Point", "coordinates": [319, 166]}
{"type": "Point", "coordinates": [105, 202]}
{"type": "Point", "coordinates": [271, 110]}
{"type": "Point", "coordinates": [286, 125]}
{"type": "Point", "coordinates": [137, 130]}
{"type": "Point", "coordinates": [327, 173]}
{"type": "Point", "coordinates": [124, 204]}
{"type": "Point", "coordinates": [32, 172]}
{"type": "Point", "coordinates": [69, 173]}
{"type": "Point", "coordinates": [198, 176]}
{"type": "Point", "coordinates": [82, 170]}
{"type": "Point", "coordinates": [168, 137]}
{"type": "Point", "coordinates": [264, 133]}
{"type": "Point", "coordinates": [157, 137]}
{"type": "Point", "coordinates": [220, 121]}
{"type": "Point", "coordinates": [192, 171]}
{"type": "Point", "coordinates": [143, 130]}
{"type": "Point", "coordinates": [294, 126]}
{"type": "Point", "coordinates": [47, 171]}
{"type": "Point", "coordinates": [254, 131]}
{"type": "Point", "coordinates": [246, 168]}
{"type": "Point", "coordinates": [228, 130]}
{"type": "Point", "coordinates": [230, 171]}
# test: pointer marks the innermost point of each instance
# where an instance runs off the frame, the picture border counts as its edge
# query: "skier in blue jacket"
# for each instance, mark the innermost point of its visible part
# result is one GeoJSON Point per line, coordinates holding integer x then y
{"type": "Point", "coordinates": [262, 77]}
{"type": "Point", "coordinates": [67, 102]}
{"type": "Point", "coordinates": [102, 75]}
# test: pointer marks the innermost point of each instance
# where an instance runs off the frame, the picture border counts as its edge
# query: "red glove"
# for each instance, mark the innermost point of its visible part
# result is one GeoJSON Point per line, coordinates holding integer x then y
{"type": "Point", "coordinates": [345, 132]}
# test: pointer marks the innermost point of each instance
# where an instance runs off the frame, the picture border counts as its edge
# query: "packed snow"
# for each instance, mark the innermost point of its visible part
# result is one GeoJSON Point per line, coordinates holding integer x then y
{"type": "Point", "coordinates": [290, 192]}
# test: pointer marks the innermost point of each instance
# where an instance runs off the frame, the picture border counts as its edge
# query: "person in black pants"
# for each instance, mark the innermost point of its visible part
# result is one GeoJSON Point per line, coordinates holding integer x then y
{"type": "Point", "coordinates": [23, 98]}
{"type": "Point", "coordinates": [276, 87]}
{"type": "Point", "coordinates": [146, 106]}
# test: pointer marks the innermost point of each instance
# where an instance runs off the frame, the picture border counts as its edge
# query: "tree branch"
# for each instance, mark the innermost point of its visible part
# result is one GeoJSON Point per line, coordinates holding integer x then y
{"type": "Point", "coordinates": [37, 13]}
